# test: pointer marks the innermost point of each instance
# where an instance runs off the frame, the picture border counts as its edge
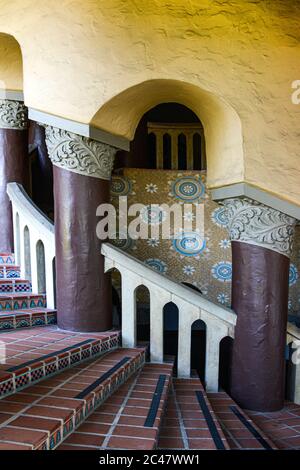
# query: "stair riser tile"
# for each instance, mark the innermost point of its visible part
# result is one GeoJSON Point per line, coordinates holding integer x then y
{"type": "Point", "coordinates": [12, 322]}
{"type": "Point", "coordinates": [57, 365]}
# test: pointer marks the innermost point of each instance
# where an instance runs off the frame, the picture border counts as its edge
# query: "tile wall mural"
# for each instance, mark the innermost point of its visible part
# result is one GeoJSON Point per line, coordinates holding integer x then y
{"type": "Point", "coordinates": [204, 262]}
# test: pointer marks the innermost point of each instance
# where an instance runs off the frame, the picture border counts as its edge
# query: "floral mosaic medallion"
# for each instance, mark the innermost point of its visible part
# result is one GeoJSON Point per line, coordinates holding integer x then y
{"type": "Point", "coordinates": [120, 186]}
{"type": "Point", "coordinates": [219, 217]}
{"type": "Point", "coordinates": [293, 275]}
{"type": "Point", "coordinates": [189, 244]}
{"type": "Point", "coordinates": [223, 298]}
{"type": "Point", "coordinates": [188, 188]}
{"type": "Point", "coordinates": [153, 214]}
{"type": "Point", "coordinates": [222, 271]}
{"type": "Point", "coordinates": [157, 264]}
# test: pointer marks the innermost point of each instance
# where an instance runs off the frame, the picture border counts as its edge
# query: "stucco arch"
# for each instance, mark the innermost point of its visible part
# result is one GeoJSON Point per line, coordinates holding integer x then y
{"type": "Point", "coordinates": [222, 125]}
{"type": "Point", "coordinates": [11, 64]}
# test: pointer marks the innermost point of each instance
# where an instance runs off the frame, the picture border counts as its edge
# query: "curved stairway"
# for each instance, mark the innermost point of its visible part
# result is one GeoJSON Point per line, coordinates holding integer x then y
{"type": "Point", "coordinates": [70, 391]}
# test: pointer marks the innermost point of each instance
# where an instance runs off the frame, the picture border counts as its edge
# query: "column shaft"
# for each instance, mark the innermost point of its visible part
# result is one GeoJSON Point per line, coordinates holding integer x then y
{"type": "Point", "coordinates": [13, 168]}
{"type": "Point", "coordinates": [83, 290]}
{"type": "Point", "coordinates": [260, 298]}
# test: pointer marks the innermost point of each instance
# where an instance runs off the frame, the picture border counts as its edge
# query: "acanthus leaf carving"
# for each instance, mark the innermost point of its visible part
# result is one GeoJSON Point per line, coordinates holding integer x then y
{"type": "Point", "coordinates": [254, 223]}
{"type": "Point", "coordinates": [13, 115]}
{"type": "Point", "coordinates": [79, 154]}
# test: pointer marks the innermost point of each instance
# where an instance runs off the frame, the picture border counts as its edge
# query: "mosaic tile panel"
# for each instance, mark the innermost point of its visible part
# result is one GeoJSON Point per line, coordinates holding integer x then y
{"type": "Point", "coordinates": [204, 262]}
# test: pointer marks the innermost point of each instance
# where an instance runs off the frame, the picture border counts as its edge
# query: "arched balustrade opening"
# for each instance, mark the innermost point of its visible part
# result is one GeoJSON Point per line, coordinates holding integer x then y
{"type": "Point", "coordinates": [170, 331]}
{"type": "Point", "coordinates": [40, 264]}
{"type": "Point", "coordinates": [225, 363]}
{"type": "Point", "coordinates": [142, 298]}
{"type": "Point", "coordinates": [116, 297]}
{"type": "Point", "coordinates": [198, 349]}
{"type": "Point", "coordinates": [17, 239]}
{"type": "Point", "coordinates": [27, 256]}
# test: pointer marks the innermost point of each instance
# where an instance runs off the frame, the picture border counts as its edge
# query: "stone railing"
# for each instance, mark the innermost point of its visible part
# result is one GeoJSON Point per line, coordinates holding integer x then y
{"type": "Point", "coordinates": [34, 242]}
{"type": "Point", "coordinates": [293, 340]}
{"type": "Point", "coordinates": [220, 321]}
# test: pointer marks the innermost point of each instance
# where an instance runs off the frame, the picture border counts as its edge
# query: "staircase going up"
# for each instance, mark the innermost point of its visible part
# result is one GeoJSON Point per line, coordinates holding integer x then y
{"type": "Point", "coordinates": [19, 307]}
{"type": "Point", "coordinates": [81, 391]}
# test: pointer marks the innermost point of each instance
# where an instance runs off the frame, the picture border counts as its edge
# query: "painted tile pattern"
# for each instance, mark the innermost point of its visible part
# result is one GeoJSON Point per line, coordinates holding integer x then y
{"type": "Point", "coordinates": [202, 261]}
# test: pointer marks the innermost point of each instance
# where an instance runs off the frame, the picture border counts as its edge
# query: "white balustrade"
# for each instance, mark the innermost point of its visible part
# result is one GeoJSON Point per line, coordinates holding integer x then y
{"type": "Point", "coordinates": [31, 227]}
{"type": "Point", "coordinates": [220, 321]}
{"type": "Point", "coordinates": [293, 337]}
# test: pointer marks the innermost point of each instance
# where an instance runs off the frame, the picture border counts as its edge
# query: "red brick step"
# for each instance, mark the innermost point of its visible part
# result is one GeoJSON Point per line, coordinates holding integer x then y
{"type": "Point", "coordinates": [32, 356]}
{"type": "Point", "coordinates": [131, 418]}
{"type": "Point", "coordinates": [45, 414]}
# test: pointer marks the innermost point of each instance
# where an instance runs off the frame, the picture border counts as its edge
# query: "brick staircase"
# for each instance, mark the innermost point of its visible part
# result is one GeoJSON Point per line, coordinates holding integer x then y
{"type": "Point", "coordinates": [73, 391]}
{"type": "Point", "coordinates": [19, 307]}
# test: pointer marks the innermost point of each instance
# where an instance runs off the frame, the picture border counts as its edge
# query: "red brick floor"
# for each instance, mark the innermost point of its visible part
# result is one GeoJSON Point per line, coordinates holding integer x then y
{"type": "Point", "coordinates": [38, 417]}
{"type": "Point", "coordinates": [120, 422]}
{"type": "Point", "coordinates": [185, 426]}
{"type": "Point", "coordinates": [237, 434]}
{"type": "Point", "coordinates": [283, 427]}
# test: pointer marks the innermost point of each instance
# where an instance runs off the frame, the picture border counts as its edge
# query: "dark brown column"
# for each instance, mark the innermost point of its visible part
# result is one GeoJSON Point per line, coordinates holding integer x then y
{"type": "Point", "coordinates": [81, 172]}
{"type": "Point", "coordinates": [259, 297]}
{"type": "Point", "coordinates": [261, 245]}
{"type": "Point", "coordinates": [13, 163]}
{"type": "Point", "coordinates": [83, 290]}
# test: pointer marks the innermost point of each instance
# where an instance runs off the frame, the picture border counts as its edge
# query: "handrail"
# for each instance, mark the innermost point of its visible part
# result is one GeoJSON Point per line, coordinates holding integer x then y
{"type": "Point", "coordinates": [34, 241]}
{"type": "Point", "coordinates": [161, 280]}
{"type": "Point", "coordinates": [21, 200]}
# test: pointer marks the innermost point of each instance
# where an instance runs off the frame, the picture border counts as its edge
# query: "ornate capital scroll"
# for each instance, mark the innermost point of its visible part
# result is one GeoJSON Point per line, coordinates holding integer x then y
{"type": "Point", "coordinates": [257, 224]}
{"type": "Point", "coordinates": [13, 115]}
{"type": "Point", "coordinates": [79, 154]}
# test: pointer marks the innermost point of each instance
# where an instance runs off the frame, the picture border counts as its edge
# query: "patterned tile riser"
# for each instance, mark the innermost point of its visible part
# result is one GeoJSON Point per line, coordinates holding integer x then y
{"type": "Point", "coordinates": [32, 321]}
{"type": "Point", "coordinates": [7, 259]}
{"type": "Point", "coordinates": [19, 382]}
{"type": "Point", "coordinates": [15, 287]}
{"type": "Point", "coordinates": [10, 304]}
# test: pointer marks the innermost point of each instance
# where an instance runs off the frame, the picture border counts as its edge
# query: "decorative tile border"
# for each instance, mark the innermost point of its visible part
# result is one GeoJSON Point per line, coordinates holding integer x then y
{"type": "Point", "coordinates": [44, 367]}
{"type": "Point", "coordinates": [19, 301]}
{"type": "Point", "coordinates": [13, 321]}
{"type": "Point", "coordinates": [7, 258]}
{"type": "Point", "coordinates": [14, 286]}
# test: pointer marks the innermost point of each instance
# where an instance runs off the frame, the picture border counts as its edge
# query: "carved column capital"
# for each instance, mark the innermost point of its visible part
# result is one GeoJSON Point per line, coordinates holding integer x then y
{"type": "Point", "coordinates": [13, 115]}
{"type": "Point", "coordinates": [257, 224]}
{"type": "Point", "coordinates": [79, 154]}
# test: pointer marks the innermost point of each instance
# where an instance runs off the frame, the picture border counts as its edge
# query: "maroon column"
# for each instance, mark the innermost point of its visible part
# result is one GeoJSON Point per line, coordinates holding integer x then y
{"type": "Point", "coordinates": [259, 297]}
{"type": "Point", "coordinates": [13, 168]}
{"type": "Point", "coordinates": [83, 290]}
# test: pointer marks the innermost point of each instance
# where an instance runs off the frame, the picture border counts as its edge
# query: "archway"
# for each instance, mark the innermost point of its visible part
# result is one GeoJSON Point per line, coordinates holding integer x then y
{"type": "Point", "coordinates": [170, 329]}
{"type": "Point", "coordinates": [222, 125]}
{"type": "Point", "coordinates": [198, 348]}
{"type": "Point", "coordinates": [11, 66]}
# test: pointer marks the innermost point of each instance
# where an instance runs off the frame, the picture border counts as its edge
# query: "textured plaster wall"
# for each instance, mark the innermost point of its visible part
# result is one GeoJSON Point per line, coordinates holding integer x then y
{"type": "Point", "coordinates": [205, 261]}
{"type": "Point", "coordinates": [243, 54]}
